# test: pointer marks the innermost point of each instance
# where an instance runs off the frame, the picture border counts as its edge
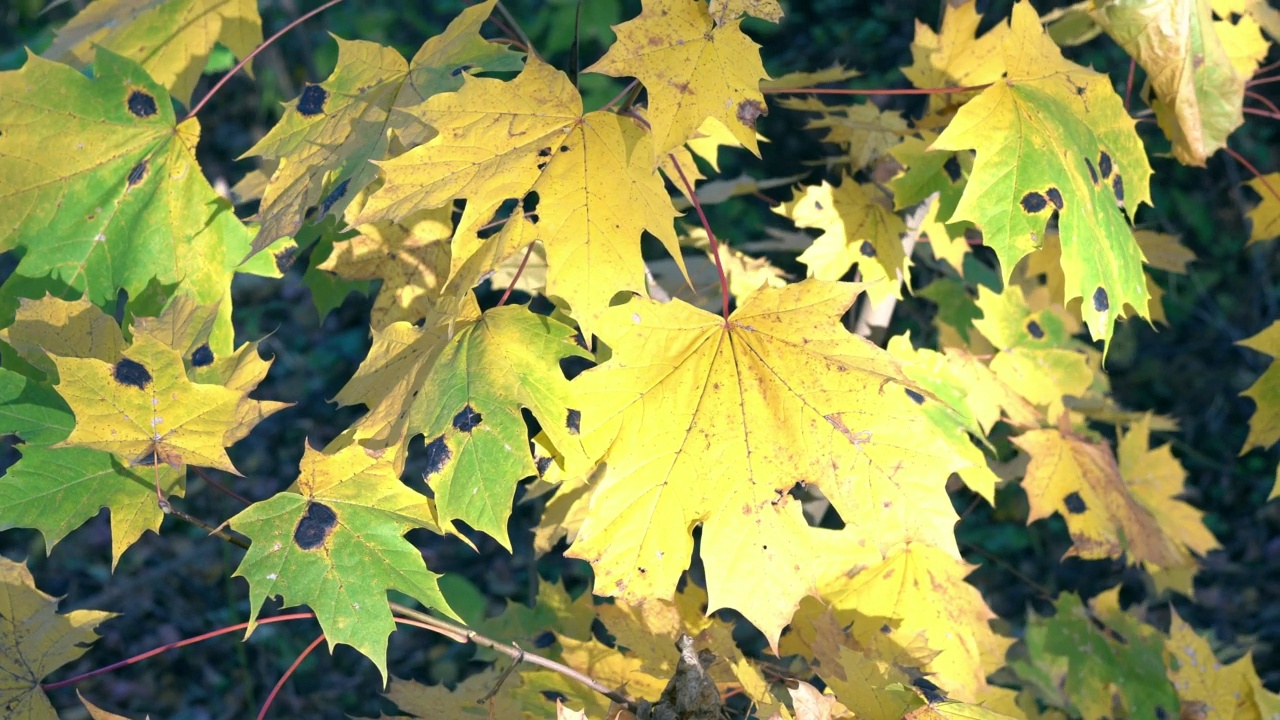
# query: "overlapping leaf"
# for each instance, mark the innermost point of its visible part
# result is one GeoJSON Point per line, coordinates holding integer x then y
{"type": "Point", "coordinates": [1264, 426]}
{"type": "Point", "coordinates": [1053, 137]}
{"type": "Point", "coordinates": [334, 541]}
{"type": "Point", "coordinates": [701, 421]}
{"type": "Point", "coordinates": [332, 130]}
{"type": "Point", "coordinates": [170, 39]}
{"type": "Point", "coordinates": [585, 184]}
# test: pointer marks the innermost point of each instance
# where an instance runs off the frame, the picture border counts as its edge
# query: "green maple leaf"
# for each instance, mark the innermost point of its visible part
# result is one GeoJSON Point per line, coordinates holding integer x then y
{"type": "Point", "coordinates": [330, 133]}
{"type": "Point", "coordinates": [1053, 136]}
{"type": "Point", "coordinates": [102, 190]}
{"type": "Point", "coordinates": [334, 541]}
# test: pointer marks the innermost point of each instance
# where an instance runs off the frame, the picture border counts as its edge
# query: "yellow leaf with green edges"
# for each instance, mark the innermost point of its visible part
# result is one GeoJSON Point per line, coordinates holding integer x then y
{"type": "Point", "coordinates": [170, 39]}
{"type": "Point", "coordinates": [699, 420]}
{"type": "Point", "coordinates": [692, 69]}
{"type": "Point", "coordinates": [1054, 137]}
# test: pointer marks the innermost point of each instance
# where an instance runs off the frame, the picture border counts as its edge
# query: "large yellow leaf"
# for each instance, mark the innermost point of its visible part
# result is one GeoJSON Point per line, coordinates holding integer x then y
{"type": "Point", "coordinates": [1053, 137]}
{"type": "Point", "coordinates": [171, 39]}
{"type": "Point", "coordinates": [1264, 426]}
{"type": "Point", "coordinates": [699, 420]}
{"type": "Point", "coordinates": [956, 55]}
{"type": "Point", "coordinates": [692, 68]}
{"type": "Point", "coordinates": [586, 185]}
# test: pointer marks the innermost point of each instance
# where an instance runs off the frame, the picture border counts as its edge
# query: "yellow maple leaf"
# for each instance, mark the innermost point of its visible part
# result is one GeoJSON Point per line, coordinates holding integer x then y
{"type": "Point", "coordinates": [143, 409]}
{"type": "Point", "coordinates": [692, 68]}
{"type": "Point", "coordinates": [1260, 11]}
{"type": "Point", "coordinates": [1265, 217]}
{"type": "Point", "coordinates": [857, 228]}
{"type": "Point", "coordinates": [586, 184]}
{"type": "Point", "coordinates": [1264, 426]}
{"type": "Point", "coordinates": [172, 39]}
{"type": "Point", "coordinates": [729, 10]}
{"type": "Point", "coordinates": [701, 420]}
{"type": "Point", "coordinates": [955, 55]}
{"type": "Point", "coordinates": [50, 327]}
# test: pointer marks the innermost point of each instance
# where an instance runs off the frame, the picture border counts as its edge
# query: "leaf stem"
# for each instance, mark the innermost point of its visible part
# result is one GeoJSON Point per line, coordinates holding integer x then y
{"type": "Point", "coordinates": [1249, 166]}
{"type": "Point", "coordinates": [1262, 113]}
{"type": "Point", "coordinates": [515, 26]}
{"type": "Point", "coordinates": [287, 673]}
{"type": "Point", "coordinates": [1128, 85]}
{"type": "Point", "coordinates": [711, 236]}
{"type": "Point", "coordinates": [1263, 99]}
{"type": "Point", "coordinates": [253, 53]}
{"type": "Point", "coordinates": [874, 91]}
{"type": "Point", "coordinates": [516, 278]}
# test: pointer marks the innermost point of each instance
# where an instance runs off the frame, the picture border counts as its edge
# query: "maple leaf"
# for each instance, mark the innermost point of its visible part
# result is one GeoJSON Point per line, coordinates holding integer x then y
{"type": "Point", "coordinates": [1199, 94]}
{"type": "Point", "coordinates": [1259, 10]}
{"type": "Point", "coordinates": [1073, 151]}
{"type": "Point", "coordinates": [98, 713]}
{"type": "Point", "coordinates": [124, 203]}
{"type": "Point", "coordinates": [438, 701]}
{"type": "Point", "coordinates": [692, 68]}
{"type": "Point", "coordinates": [863, 131]}
{"type": "Point", "coordinates": [328, 135]}
{"type": "Point", "coordinates": [955, 55]}
{"type": "Point", "coordinates": [926, 172]}
{"type": "Point", "coordinates": [585, 184]}
{"type": "Point", "coordinates": [170, 39]}
{"type": "Point", "coordinates": [1265, 217]}
{"type": "Point", "coordinates": [1204, 683]}
{"type": "Point", "coordinates": [856, 229]}
{"type": "Point", "coordinates": [1264, 426]}
{"type": "Point", "coordinates": [699, 420]}
{"type": "Point", "coordinates": [35, 640]}
{"type": "Point", "coordinates": [334, 541]}
{"type": "Point", "coordinates": [729, 10]}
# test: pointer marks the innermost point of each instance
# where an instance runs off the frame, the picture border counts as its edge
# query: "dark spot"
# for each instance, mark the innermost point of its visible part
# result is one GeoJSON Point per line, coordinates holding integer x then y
{"type": "Point", "coordinates": [817, 205]}
{"type": "Point", "coordinates": [150, 458]}
{"type": "Point", "coordinates": [542, 166]}
{"type": "Point", "coordinates": [1055, 197]}
{"type": "Point", "coordinates": [202, 356]}
{"type": "Point", "coordinates": [310, 213]}
{"type": "Point", "coordinates": [749, 111]}
{"type": "Point", "coordinates": [573, 366]}
{"type": "Point", "coordinates": [544, 152]}
{"type": "Point", "coordinates": [1100, 302]}
{"type": "Point", "coordinates": [529, 206]}
{"type": "Point", "coordinates": [131, 373]}
{"type": "Point", "coordinates": [542, 464]}
{"type": "Point", "coordinates": [311, 101]}
{"type": "Point", "coordinates": [285, 258]}
{"type": "Point", "coordinates": [544, 639]}
{"type": "Point", "coordinates": [885, 629]}
{"type": "Point", "coordinates": [316, 525]}
{"type": "Point", "coordinates": [564, 148]}
{"type": "Point", "coordinates": [952, 168]}
{"type": "Point", "coordinates": [1161, 713]}
{"type": "Point", "coordinates": [460, 69]}
{"type": "Point", "coordinates": [867, 249]}
{"type": "Point", "coordinates": [1104, 164]}
{"type": "Point", "coordinates": [573, 422]}
{"type": "Point", "coordinates": [973, 236]}
{"type": "Point", "coordinates": [1093, 174]}
{"type": "Point", "coordinates": [138, 172]}
{"type": "Point", "coordinates": [916, 397]}
{"type": "Point", "coordinates": [932, 693]}
{"type": "Point", "coordinates": [141, 104]}
{"type": "Point", "coordinates": [1034, 330]}
{"type": "Point", "coordinates": [1075, 503]}
{"type": "Point", "coordinates": [1034, 202]}
{"type": "Point", "coordinates": [437, 456]}
{"type": "Point", "coordinates": [642, 570]}
{"type": "Point", "coordinates": [466, 420]}
{"type": "Point", "coordinates": [336, 194]}
{"type": "Point", "coordinates": [1118, 186]}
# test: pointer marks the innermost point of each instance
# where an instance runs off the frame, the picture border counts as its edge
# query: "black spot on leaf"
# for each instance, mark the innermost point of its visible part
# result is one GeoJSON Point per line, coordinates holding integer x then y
{"type": "Point", "coordinates": [1075, 503]}
{"type": "Point", "coordinates": [542, 464]}
{"type": "Point", "coordinates": [141, 104]}
{"type": "Point", "coordinates": [138, 172]}
{"type": "Point", "coordinates": [952, 168]}
{"type": "Point", "coordinates": [1118, 186]}
{"type": "Point", "coordinates": [466, 420]}
{"type": "Point", "coordinates": [1104, 165]}
{"type": "Point", "coordinates": [460, 69]}
{"type": "Point", "coordinates": [337, 193]}
{"type": "Point", "coordinates": [131, 373]}
{"type": "Point", "coordinates": [202, 356]}
{"type": "Point", "coordinates": [544, 152]}
{"type": "Point", "coordinates": [1034, 330]}
{"type": "Point", "coordinates": [1161, 713]}
{"type": "Point", "coordinates": [284, 258]}
{"type": "Point", "coordinates": [1055, 197]}
{"type": "Point", "coordinates": [885, 629]}
{"type": "Point", "coordinates": [315, 527]}
{"type": "Point", "coordinates": [1093, 174]}
{"type": "Point", "coordinates": [573, 422]}
{"type": "Point", "coordinates": [1100, 301]}
{"type": "Point", "coordinates": [438, 455]}
{"type": "Point", "coordinates": [867, 249]}
{"type": "Point", "coordinates": [311, 101]}
{"type": "Point", "coordinates": [931, 692]}
{"type": "Point", "coordinates": [529, 206]}
{"type": "Point", "coordinates": [916, 397]}
{"type": "Point", "coordinates": [564, 148]}
{"type": "Point", "coordinates": [1034, 202]}
{"type": "Point", "coordinates": [749, 111]}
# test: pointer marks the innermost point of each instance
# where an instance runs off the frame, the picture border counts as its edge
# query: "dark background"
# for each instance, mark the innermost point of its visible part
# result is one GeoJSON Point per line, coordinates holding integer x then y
{"type": "Point", "coordinates": [178, 584]}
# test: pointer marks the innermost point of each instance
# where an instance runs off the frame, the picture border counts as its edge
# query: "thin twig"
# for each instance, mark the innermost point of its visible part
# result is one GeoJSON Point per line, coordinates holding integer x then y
{"type": "Point", "coordinates": [287, 673]}
{"type": "Point", "coordinates": [516, 278]}
{"type": "Point", "coordinates": [219, 486]}
{"type": "Point", "coordinates": [715, 244]}
{"type": "Point", "coordinates": [874, 91]}
{"type": "Point", "coordinates": [217, 531]}
{"type": "Point", "coordinates": [515, 25]}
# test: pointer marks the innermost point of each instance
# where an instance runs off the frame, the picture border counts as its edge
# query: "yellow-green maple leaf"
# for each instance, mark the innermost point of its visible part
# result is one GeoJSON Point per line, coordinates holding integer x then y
{"type": "Point", "coordinates": [692, 68]}
{"type": "Point", "coordinates": [35, 640]}
{"type": "Point", "coordinates": [143, 409]}
{"type": "Point", "coordinates": [586, 185]}
{"type": "Point", "coordinates": [1265, 217]}
{"type": "Point", "coordinates": [1053, 137]}
{"type": "Point", "coordinates": [699, 420]}
{"type": "Point", "coordinates": [328, 135]}
{"type": "Point", "coordinates": [862, 130]}
{"type": "Point", "coordinates": [1199, 94]}
{"type": "Point", "coordinates": [1264, 426]}
{"type": "Point", "coordinates": [170, 39]}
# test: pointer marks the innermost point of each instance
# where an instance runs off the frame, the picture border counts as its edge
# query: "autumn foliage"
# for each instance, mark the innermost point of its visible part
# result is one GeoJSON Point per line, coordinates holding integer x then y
{"type": "Point", "coordinates": [722, 429]}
